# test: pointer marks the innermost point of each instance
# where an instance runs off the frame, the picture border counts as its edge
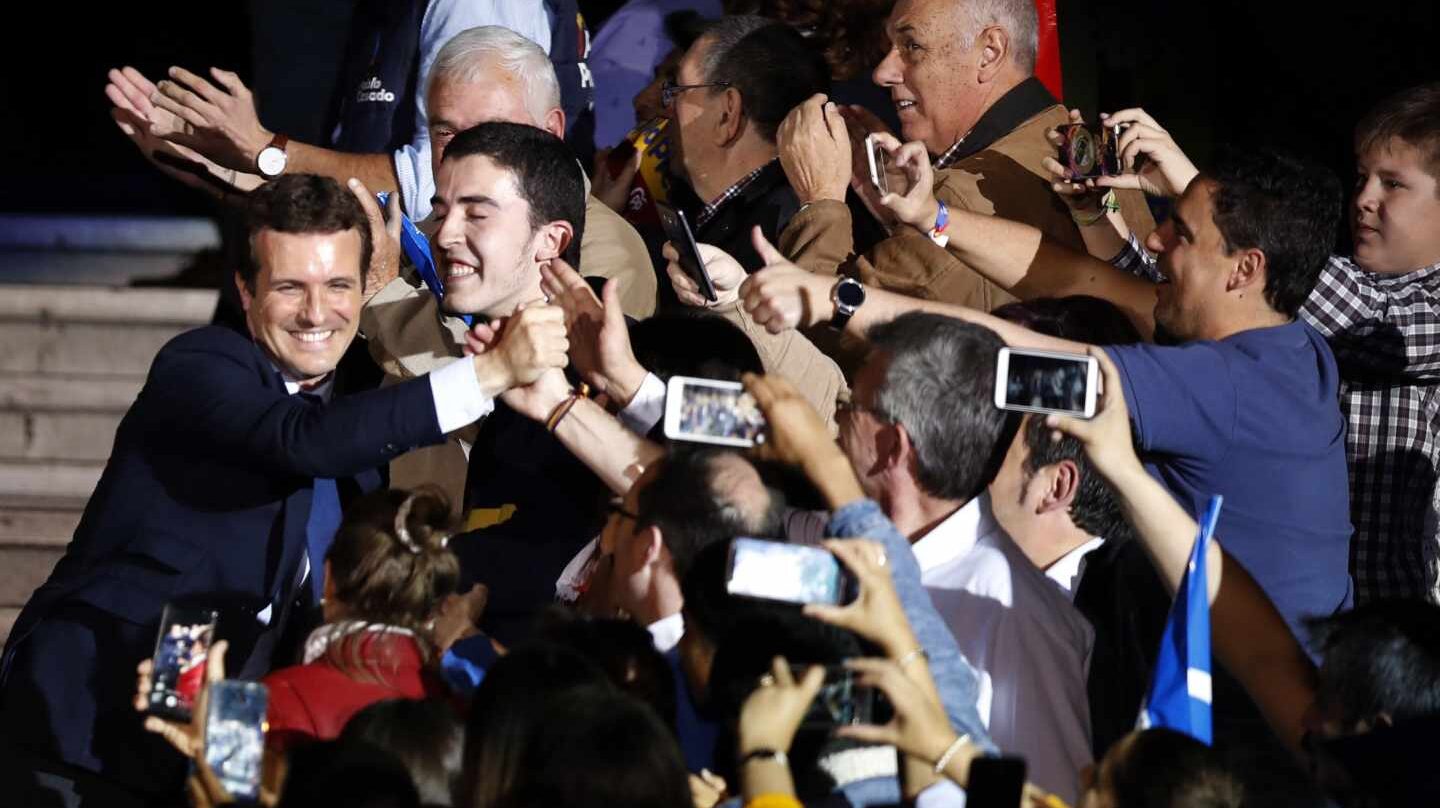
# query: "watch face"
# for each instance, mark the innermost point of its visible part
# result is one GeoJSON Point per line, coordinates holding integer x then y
{"type": "Point", "coordinates": [271, 161]}
{"type": "Point", "coordinates": [849, 293]}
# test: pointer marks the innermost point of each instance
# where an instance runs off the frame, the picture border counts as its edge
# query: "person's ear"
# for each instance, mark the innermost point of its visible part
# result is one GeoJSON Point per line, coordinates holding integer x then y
{"type": "Point", "coordinates": [653, 548]}
{"type": "Point", "coordinates": [247, 296]}
{"type": "Point", "coordinates": [731, 123]}
{"type": "Point", "coordinates": [994, 47]}
{"type": "Point", "coordinates": [552, 239]}
{"type": "Point", "coordinates": [1062, 485]}
{"type": "Point", "coordinates": [1248, 274]}
{"type": "Point", "coordinates": [554, 122]}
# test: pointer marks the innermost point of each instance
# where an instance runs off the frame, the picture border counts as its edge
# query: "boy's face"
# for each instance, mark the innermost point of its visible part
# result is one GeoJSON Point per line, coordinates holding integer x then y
{"type": "Point", "coordinates": [1397, 203]}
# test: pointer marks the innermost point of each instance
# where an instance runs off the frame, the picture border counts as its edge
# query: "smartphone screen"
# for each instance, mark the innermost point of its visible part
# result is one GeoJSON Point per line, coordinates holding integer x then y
{"type": "Point", "coordinates": [877, 165]}
{"type": "Point", "coordinates": [840, 701]}
{"type": "Point", "coordinates": [1043, 381]}
{"type": "Point", "coordinates": [677, 230]}
{"type": "Point", "coordinates": [793, 573]}
{"type": "Point", "coordinates": [235, 735]}
{"type": "Point", "coordinates": [181, 652]}
{"type": "Point", "coordinates": [995, 782]}
{"type": "Point", "coordinates": [711, 411]}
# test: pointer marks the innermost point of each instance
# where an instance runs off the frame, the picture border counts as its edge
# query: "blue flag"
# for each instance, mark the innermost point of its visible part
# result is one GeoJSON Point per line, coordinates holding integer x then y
{"type": "Point", "coordinates": [417, 249]}
{"type": "Point", "coordinates": [1179, 696]}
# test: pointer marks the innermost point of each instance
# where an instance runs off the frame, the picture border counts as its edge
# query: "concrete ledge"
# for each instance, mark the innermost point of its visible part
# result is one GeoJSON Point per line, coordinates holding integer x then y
{"type": "Point", "coordinates": [68, 480]}
{"type": "Point", "coordinates": [82, 349]}
{"type": "Point", "coordinates": [50, 527]}
{"type": "Point", "coordinates": [105, 304]}
{"type": "Point", "coordinates": [123, 233]}
{"type": "Point", "coordinates": [57, 435]}
{"type": "Point", "coordinates": [57, 393]}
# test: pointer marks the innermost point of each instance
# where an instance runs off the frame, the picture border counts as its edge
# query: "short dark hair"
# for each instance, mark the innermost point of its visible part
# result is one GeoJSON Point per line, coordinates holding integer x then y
{"type": "Point", "coordinates": [692, 512]}
{"type": "Point", "coordinates": [1163, 768]}
{"type": "Point", "coordinates": [546, 173]}
{"type": "Point", "coordinates": [1288, 209]}
{"type": "Point", "coordinates": [1411, 116]}
{"type": "Point", "coordinates": [1383, 657]}
{"type": "Point", "coordinates": [304, 203]}
{"type": "Point", "coordinates": [768, 62]}
{"type": "Point", "coordinates": [621, 648]}
{"type": "Point", "coordinates": [1079, 318]}
{"type": "Point", "coordinates": [665, 345]}
{"type": "Point", "coordinates": [424, 735]}
{"type": "Point", "coordinates": [940, 385]}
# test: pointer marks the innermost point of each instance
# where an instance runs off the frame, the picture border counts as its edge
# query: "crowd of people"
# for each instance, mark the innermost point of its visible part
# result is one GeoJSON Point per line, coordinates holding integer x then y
{"type": "Point", "coordinates": [488, 575]}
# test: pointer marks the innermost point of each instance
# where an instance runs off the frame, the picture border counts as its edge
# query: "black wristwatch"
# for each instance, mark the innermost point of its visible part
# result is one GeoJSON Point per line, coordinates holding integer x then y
{"type": "Point", "coordinates": [847, 295]}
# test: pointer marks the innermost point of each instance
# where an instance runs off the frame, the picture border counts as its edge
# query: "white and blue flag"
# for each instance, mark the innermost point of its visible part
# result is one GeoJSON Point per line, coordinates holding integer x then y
{"type": "Point", "coordinates": [1179, 696]}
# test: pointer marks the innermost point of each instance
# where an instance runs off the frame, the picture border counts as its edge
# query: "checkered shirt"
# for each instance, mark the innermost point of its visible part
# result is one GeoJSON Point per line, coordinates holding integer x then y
{"type": "Point", "coordinates": [728, 194]}
{"type": "Point", "coordinates": [1385, 332]}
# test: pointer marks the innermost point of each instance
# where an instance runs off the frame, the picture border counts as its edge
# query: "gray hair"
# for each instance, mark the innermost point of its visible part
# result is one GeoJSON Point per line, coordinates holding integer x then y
{"type": "Point", "coordinates": [940, 386]}
{"type": "Point", "coordinates": [724, 34]}
{"type": "Point", "coordinates": [475, 53]}
{"type": "Point", "coordinates": [1019, 19]}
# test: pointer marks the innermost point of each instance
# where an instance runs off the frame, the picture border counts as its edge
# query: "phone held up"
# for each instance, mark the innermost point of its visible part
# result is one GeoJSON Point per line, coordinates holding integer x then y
{"type": "Point", "coordinates": [182, 651]}
{"type": "Point", "coordinates": [1088, 154]}
{"type": "Point", "coordinates": [790, 573]}
{"type": "Point", "coordinates": [712, 411]}
{"type": "Point", "coordinates": [877, 157]}
{"type": "Point", "coordinates": [235, 729]}
{"type": "Point", "coordinates": [995, 782]}
{"type": "Point", "coordinates": [677, 230]}
{"type": "Point", "coordinates": [1046, 382]}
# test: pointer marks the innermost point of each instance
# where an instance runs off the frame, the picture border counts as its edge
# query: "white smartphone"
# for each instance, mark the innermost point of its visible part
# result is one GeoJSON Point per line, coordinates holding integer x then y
{"type": "Point", "coordinates": [792, 573]}
{"type": "Point", "coordinates": [1047, 381]}
{"type": "Point", "coordinates": [712, 411]}
{"type": "Point", "coordinates": [876, 153]}
{"type": "Point", "coordinates": [235, 735]}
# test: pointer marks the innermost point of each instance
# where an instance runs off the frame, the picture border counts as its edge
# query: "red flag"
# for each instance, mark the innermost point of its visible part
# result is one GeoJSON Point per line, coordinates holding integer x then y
{"type": "Point", "coordinates": [1047, 59]}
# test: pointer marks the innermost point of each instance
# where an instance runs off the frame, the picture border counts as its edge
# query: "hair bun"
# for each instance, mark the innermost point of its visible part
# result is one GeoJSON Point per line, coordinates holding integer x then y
{"type": "Point", "coordinates": [431, 512]}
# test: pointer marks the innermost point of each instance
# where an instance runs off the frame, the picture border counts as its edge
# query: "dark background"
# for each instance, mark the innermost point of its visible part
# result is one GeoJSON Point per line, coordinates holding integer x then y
{"type": "Point", "coordinates": [1278, 73]}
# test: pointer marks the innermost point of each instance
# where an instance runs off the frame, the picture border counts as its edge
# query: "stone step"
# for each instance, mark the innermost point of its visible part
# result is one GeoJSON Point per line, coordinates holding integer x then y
{"type": "Point", "coordinates": [20, 478]}
{"type": "Point", "coordinates": [66, 436]}
{"type": "Point", "coordinates": [106, 304]}
{"type": "Point", "coordinates": [39, 521]}
{"type": "Point", "coordinates": [80, 348]}
{"type": "Point", "coordinates": [7, 619]}
{"type": "Point", "coordinates": [22, 569]}
{"type": "Point", "coordinates": [26, 392]}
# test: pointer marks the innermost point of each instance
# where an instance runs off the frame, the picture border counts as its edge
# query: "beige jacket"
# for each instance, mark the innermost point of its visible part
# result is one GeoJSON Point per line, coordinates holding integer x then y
{"type": "Point", "coordinates": [794, 357]}
{"type": "Point", "coordinates": [1006, 179]}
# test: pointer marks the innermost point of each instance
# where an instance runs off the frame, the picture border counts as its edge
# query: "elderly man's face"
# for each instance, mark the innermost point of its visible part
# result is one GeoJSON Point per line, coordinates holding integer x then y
{"type": "Point", "coordinates": [931, 73]}
{"type": "Point", "coordinates": [455, 107]}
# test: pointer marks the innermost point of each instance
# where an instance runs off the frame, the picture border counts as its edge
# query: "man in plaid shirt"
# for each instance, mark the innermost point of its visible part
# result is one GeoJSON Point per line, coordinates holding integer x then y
{"type": "Point", "coordinates": [1380, 311]}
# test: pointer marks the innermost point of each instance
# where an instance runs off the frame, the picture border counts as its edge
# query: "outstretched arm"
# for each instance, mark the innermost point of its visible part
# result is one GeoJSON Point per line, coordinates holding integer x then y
{"type": "Point", "coordinates": [1250, 637]}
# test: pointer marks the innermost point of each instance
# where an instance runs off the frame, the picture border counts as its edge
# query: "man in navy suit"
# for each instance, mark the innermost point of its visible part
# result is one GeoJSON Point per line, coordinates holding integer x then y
{"type": "Point", "coordinates": [224, 488]}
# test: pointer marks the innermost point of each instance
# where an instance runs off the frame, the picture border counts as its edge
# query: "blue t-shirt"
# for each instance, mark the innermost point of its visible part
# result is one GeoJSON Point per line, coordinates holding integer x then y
{"type": "Point", "coordinates": [1256, 418]}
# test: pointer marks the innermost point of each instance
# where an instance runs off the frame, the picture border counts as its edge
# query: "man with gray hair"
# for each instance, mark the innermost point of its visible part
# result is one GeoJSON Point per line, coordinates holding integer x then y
{"type": "Point", "coordinates": [960, 75]}
{"type": "Point", "coordinates": [925, 438]}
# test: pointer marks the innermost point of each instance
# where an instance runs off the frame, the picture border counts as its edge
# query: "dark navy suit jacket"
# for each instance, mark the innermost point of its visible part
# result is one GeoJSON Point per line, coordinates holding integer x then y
{"type": "Point", "coordinates": [205, 497]}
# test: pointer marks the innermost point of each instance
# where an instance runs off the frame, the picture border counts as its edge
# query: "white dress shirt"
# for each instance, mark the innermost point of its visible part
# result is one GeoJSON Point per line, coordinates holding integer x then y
{"type": "Point", "coordinates": [1067, 569]}
{"type": "Point", "coordinates": [667, 631]}
{"type": "Point", "coordinates": [1029, 645]}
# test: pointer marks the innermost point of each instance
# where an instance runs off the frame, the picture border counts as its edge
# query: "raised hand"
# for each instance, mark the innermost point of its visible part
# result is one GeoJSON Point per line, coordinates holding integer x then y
{"type": "Point", "coordinates": [876, 614]}
{"type": "Point", "coordinates": [599, 338]}
{"type": "Point", "coordinates": [916, 207]}
{"type": "Point", "coordinates": [1078, 194]}
{"type": "Point", "coordinates": [384, 237]}
{"type": "Point", "coordinates": [1166, 170]}
{"type": "Point", "coordinates": [797, 436]}
{"type": "Point", "coordinates": [219, 123]}
{"type": "Point", "coordinates": [782, 296]}
{"type": "Point", "coordinates": [532, 342]}
{"type": "Point", "coordinates": [129, 90]}
{"type": "Point", "coordinates": [772, 713]}
{"type": "Point", "coordinates": [1106, 437]}
{"type": "Point", "coordinates": [725, 273]}
{"type": "Point", "coordinates": [919, 728]}
{"type": "Point", "coordinates": [815, 150]}
{"type": "Point", "coordinates": [614, 190]}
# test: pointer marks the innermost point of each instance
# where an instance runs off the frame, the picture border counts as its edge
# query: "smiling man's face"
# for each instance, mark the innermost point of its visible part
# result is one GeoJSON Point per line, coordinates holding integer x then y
{"type": "Point", "coordinates": [304, 308]}
{"type": "Point", "coordinates": [931, 73]}
{"type": "Point", "coordinates": [485, 243]}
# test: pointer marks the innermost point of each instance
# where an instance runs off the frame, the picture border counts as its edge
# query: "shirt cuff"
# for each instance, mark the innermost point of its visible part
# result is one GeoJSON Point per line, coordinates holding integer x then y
{"type": "Point", "coordinates": [647, 407]}
{"type": "Point", "coordinates": [459, 401]}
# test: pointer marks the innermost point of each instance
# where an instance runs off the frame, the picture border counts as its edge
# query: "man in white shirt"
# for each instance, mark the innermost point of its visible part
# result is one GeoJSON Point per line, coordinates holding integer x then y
{"type": "Point", "coordinates": [925, 438]}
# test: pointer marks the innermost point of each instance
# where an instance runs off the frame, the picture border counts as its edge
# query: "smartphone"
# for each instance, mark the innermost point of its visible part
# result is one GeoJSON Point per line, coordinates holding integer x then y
{"type": "Point", "coordinates": [235, 735]}
{"type": "Point", "coordinates": [995, 782]}
{"type": "Point", "coordinates": [877, 156]}
{"type": "Point", "coordinates": [791, 573]}
{"type": "Point", "coordinates": [1088, 154]}
{"type": "Point", "coordinates": [840, 701]}
{"type": "Point", "coordinates": [712, 411]}
{"type": "Point", "coordinates": [1046, 381]}
{"type": "Point", "coordinates": [181, 652]}
{"type": "Point", "coordinates": [677, 229]}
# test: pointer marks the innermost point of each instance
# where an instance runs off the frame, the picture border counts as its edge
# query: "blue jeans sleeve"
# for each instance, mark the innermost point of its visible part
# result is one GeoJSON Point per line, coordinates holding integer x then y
{"type": "Point", "coordinates": [957, 682]}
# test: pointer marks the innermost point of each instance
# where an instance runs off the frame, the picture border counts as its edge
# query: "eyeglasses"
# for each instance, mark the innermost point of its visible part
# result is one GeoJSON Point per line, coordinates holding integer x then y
{"type": "Point", "coordinates": [670, 89]}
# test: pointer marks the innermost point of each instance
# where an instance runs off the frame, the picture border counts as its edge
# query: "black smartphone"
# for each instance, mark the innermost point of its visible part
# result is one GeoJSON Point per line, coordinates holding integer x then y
{"type": "Point", "coordinates": [791, 573]}
{"type": "Point", "coordinates": [182, 650]}
{"type": "Point", "coordinates": [677, 229]}
{"type": "Point", "coordinates": [995, 782]}
{"type": "Point", "coordinates": [235, 735]}
{"type": "Point", "coordinates": [840, 702]}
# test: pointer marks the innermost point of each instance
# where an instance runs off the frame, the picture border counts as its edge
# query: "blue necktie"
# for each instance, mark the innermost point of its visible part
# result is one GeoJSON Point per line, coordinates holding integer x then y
{"type": "Point", "coordinates": [320, 528]}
